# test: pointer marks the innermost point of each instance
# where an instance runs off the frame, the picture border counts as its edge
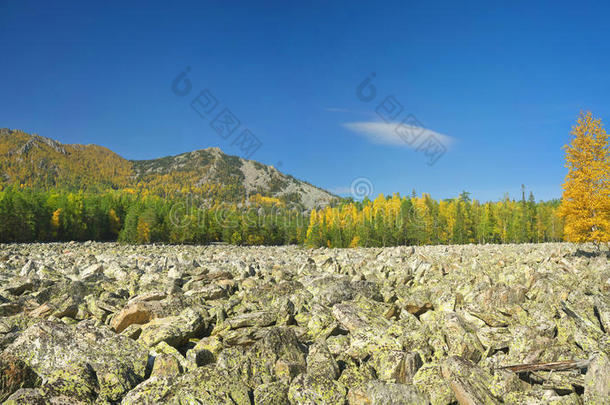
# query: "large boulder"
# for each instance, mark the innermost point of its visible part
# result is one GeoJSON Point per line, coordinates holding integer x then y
{"type": "Point", "coordinates": [51, 348]}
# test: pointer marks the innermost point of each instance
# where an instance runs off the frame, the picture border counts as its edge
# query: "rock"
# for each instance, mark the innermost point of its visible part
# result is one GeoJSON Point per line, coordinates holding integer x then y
{"type": "Point", "coordinates": [209, 292]}
{"type": "Point", "coordinates": [50, 347]}
{"type": "Point", "coordinates": [354, 376]}
{"type": "Point", "coordinates": [242, 337]}
{"type": "Point", "coordinates": [321, 324]}
{"type": "Point", "coordinates": [258, 318]}
{"type": "Point", "coordinates": [19, 286]}
{"type": "Point", "coordinates": [468, 382]}
{"type": "Point", "coordinates": [209, 385]}
{"type": "Point", "coordinates": [418, 302]}
{"type": "Point", "coordinates": [154, 390]}
{"type": "Point", "coordinates": [92, 273]}
{"type": "Point", "coordinates": [369, 329]}
{"type": "Point", "coordinates": [271, 393]}
{"type": "Point", "coordinates": [461, 338]}
{"type": "Point", "coordinates": [137, 313]}
{"type": "Point", "coordinates": [15, 374]}
{"type": "Point", "coordinates": [319, 390]}
{"type": "Point", "coordinates": [395, 365]}
{"type": "Point", "coordinates": [174, 330]}
{"type": "Point", "coordinates": [133, 331]}
{"type": "Point", "coordinates": [168, 362]}
{"type": "Point", "coordinates": [331, 290]}
{"type": "Point", "coordinates": [320, 361]}
{"type": "Point", "coordinates": [205, 351]}
{"type": "Point", "coordinates": [597, 380]}
{"type": "Point", "coordinates": [166, 366]}
{"type": "Point", "coordinates": [77, 382]}
{"type": "Point", "coordinates": [429, 381]}
{"type": "Point", "coordinates": [379, 393]}
{"type": "Point", "coordinates": [278, 355]}
{"type": "Point", "coordinates": [29, 396]}
{"type": "Point", "coordinates": [28, 269]}
{"type": "Point", "coordinates": [9, 309]}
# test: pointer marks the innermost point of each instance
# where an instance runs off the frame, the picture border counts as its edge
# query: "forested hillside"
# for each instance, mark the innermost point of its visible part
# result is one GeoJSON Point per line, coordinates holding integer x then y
{"type": "Point", "coordinates": [36, 162]}
{"type": "Point", "coordinates": [40, 163]}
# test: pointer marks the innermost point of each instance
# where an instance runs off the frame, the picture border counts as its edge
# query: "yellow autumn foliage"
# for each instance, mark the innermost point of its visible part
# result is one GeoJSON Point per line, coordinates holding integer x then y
{"type": "Point", "coordinates": [585, 203]}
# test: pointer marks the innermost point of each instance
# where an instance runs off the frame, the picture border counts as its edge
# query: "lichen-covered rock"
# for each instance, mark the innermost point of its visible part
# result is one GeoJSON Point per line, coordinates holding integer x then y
{"type": "Point", "coordinates": [15, 374]}
{"type": "Point", "coordinates": [27, 396]}
{"type": "Point", "coordinates": [380, 393]}
{"type": "Point", "coordinates": [470, 384]}
{"type": "Point", "coordinates": [355, 376]}
{"type": "Point", "coordinates": [154, 390]}
{"type": "Point", "coordinates": [321, 362]}
{"type": "Point", "coordinates": [275, 393]}
{"type": "Point", "coordinates": [167, 361]}
{"type": "Point", "coordinates": [597, 380]}
{"type": "Point", "coordinates": [429, 381]}
{"type": "Point", "coordinates": [369, 329]}
{"type": "Point", "coordinates": [318, 390]}
{"type": "Point", "coordinates": [50, 348]}
{"type": "Point", "coordinates": [278, 355]}
{"type": "Point", "coordinates": [210, 385]}
{"type": "Point", "coordinates": [174, 330]}
{"type": "Point", "coordinates": [395, 365]}
{"type": "Point", "coordinates": [205, 351]}
{"type": "Point", "coordinates": [77, 382]}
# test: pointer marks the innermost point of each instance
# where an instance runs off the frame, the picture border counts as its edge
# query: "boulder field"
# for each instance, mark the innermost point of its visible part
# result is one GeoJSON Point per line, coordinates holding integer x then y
{"type": "Point", "coordinates": [471, 324]}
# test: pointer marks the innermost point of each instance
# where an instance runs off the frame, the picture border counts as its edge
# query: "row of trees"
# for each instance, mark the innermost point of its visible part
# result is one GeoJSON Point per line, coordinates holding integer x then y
{"type": "Point", "coordinates": [29, 215]}
{"type": "Point", "coordinates": [396, 220]}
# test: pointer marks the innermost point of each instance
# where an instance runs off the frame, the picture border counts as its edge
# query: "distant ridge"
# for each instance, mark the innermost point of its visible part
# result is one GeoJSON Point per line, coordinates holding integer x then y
{"type": "Point", "coordinates": [36, 161]}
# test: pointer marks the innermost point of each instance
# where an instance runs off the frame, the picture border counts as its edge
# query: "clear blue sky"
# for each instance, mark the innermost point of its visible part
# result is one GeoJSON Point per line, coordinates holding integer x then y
{"type": "Point", "coordinates": [502, 85]}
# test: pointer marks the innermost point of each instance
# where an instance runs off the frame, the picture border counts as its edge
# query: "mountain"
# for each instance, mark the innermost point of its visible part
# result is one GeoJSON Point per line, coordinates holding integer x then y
{"type": "Point", "coordinates": [36, 161]}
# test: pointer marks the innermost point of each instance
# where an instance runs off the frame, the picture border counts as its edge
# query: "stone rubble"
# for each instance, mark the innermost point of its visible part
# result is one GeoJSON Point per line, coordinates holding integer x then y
{"type": "Point", "coordinates": [107, 323]}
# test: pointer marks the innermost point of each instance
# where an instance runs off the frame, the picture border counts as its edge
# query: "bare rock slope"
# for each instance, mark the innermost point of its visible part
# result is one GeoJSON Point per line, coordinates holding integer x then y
{"type": "Point", "coordinates": [515, 324]}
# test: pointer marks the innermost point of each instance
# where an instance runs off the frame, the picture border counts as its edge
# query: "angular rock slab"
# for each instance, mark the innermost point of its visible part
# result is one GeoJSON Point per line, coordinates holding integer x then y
{"type": "Point", "coordinates": [469, 382]}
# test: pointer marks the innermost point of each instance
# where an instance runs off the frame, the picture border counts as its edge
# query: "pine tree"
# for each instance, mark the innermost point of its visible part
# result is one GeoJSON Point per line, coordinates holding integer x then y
{"type": "Point", "coordinates": [585, 204]}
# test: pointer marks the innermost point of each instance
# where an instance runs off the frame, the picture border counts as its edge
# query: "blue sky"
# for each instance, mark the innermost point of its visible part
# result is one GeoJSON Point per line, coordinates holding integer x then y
{"type": "Point", "coordinates": [499, 85]}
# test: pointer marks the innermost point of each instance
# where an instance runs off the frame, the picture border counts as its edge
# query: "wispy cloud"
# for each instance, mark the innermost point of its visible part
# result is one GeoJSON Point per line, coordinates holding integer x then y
{"type": "Point", "coordinates": [337, 109]}
{"type": "Point", "coordinates": [407, 136]}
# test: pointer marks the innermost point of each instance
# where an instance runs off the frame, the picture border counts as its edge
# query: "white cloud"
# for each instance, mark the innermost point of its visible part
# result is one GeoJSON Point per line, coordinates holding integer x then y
{"type": "Point", "coordinates": [396, 134]}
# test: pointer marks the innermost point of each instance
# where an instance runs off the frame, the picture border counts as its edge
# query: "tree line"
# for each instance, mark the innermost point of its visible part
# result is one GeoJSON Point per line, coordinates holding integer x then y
{"type": "Point", "coordinates": [395, 220]}
{"type": "Point", "coordinates": [55, 215]}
